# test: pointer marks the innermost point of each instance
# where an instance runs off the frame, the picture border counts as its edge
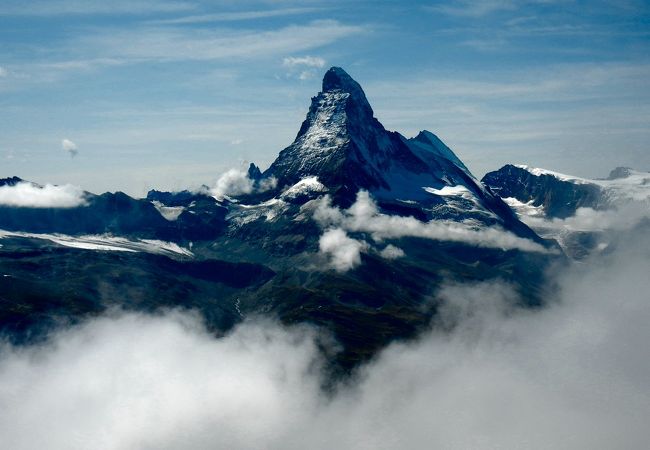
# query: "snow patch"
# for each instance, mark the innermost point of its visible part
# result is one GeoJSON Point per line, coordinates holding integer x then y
{"type": "Point", "coordinates": [270, 210]}
{"type": "Point", "coordinates": [460, 199]}
{"type": "Point", "coordinates": [524, 209]}
{"type": "Point", "coordinates": [170, 213]}
{"type": "Point", "coordinates": [446, 191]}
{"type": "Point", "coordinates": [305, 186]}
{"type": "Point", "coordinates": [105, 243]}
{"type": "Point", "coordinates": [538, 172]}
{"type": "Point", "coordinates": [327, 131]}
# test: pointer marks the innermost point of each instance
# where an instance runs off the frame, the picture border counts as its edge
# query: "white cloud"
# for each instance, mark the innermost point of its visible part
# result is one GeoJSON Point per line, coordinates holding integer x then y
{"type": "Point", "coordinates": [482, 8]}
{"type": "Point", "coordinates": [588, 219]}
{"type": "Point", "coordinates": [167, 376]}
{"type": "Point", "coordinates": [344, 252]}
{"type": "Point", "coordinates": [232, 182]}
{"type": "Point", "coordinates": [28, 195]}
{"type": "Point", "coordinates": [305, 61]}
{"type": "Point", "coordinates": [364, 216]}
{"type": "Point", "coordinates": [304, 67]}
{"type": "Point", "coordinates": [235, 16]}
{"type": "Point", "coordinates": [236, 182]}
{"type": "Point", "coordinates": [3, 72]}
{"type": "Point", "coordinates": [574, 375]}
{"type": "Point", "coordinates": [391, 252]}
{"type": "Point", "coordinates": [70, 147]}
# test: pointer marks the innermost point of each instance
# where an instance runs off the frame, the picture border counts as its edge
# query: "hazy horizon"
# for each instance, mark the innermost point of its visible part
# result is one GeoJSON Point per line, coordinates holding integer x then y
{"type": "Point", "coordinates": [168, 95]}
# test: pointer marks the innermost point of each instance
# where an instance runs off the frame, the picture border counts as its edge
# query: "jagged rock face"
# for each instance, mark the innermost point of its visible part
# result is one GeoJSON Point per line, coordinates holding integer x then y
{"type": "Point", "coordinates": [348, 149]}
{"type": "Point", "coordinates": [254, 172]}
{"type": "Point", "coordinates": [559, 198]}
{"type": "Point", "coordinates": [345, 146]}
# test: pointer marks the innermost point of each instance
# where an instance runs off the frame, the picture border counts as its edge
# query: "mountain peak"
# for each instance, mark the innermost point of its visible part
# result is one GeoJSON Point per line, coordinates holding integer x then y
{"type": "Point", "coordinates": [254, 172]}
{"type": "Point", "coordinates": [342, 144]}
{"type": "Point", "coordinates": [337, 78]}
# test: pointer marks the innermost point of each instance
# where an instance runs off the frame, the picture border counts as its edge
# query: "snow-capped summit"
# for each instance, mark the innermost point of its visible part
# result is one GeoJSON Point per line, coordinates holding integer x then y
{"type": "Point", "coordinates": [340, 141]}
{"type": "Point", "coordinates": [342, 144]}
{"type": "Point", "coordinates": [347, 148]}
{"type": "Point", "coordinates": [338, 80]}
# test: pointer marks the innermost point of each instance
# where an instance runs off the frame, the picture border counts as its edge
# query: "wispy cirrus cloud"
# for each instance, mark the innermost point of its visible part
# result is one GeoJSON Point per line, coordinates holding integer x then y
{"type": "Point", "coordinates": [578, 107]}
{"type": "Point", "coordinates": [235, 16]}
{"type": "Point", "coordinates": [145, 44]}
{"type": "Point", "coordinates": [480, 8]}
{"type": "Point", "coordinates": [473, 8]}
{"type": "Point", "coordinates": [91, 7]}
{"type": "Point", "coordinates": [176, 44]}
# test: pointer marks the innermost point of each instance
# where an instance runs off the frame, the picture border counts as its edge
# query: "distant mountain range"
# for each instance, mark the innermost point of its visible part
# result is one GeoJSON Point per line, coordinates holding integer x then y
{"type": "Point", "coordinates": [576, 212]}
{"type": "Point", "coordinates": [352, 228]}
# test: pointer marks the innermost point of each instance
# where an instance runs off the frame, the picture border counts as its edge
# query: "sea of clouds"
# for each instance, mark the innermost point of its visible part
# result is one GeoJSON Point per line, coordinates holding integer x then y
{"type": "Point", "coordinates": [572, 375]}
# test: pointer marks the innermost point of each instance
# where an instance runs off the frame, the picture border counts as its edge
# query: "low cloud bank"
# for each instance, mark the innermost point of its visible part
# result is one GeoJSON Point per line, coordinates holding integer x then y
{"type": "Point", "coordinates": [232, 182]}
{"type": "Point", "coordinates": [364, 216]}
{"type": "Point", "coordinates": [587, 219]}
{"type": "Point", "coordinates": [29, 195]}
{"type": "Point", "coordinates": [574, 375]}
{"type": "Point", "coordinates": [237, 182]}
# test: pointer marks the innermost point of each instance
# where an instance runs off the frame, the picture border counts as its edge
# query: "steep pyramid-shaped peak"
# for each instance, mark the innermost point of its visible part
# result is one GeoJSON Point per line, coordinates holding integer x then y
{"type": "Point", "coordinates": [338, 80]}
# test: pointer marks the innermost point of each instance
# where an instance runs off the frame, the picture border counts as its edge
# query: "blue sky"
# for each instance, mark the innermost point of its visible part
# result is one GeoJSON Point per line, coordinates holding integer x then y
{"type": "Point", "coordinates": [169, 94]}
